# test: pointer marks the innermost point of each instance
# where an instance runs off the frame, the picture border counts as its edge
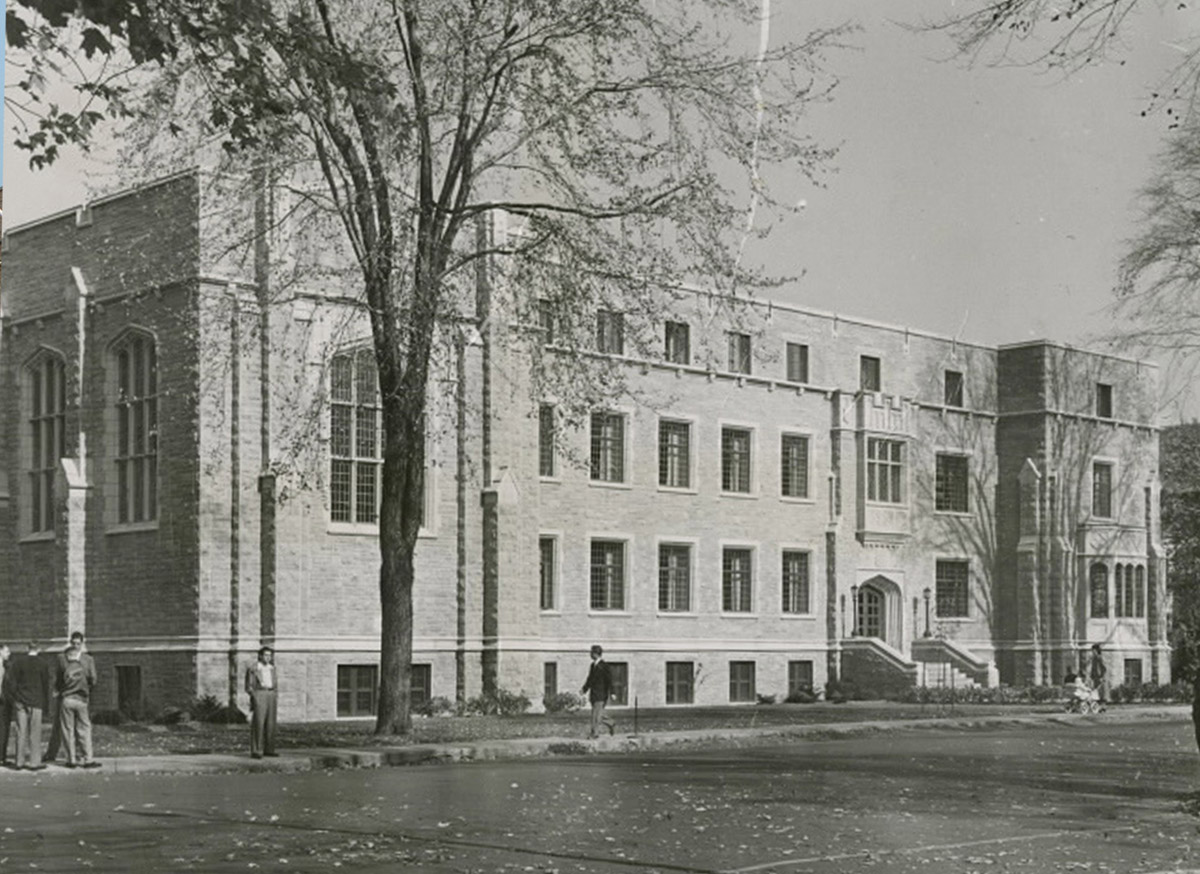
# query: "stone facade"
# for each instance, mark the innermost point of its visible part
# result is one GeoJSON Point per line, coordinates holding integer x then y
{"type": "Point", "coordinates": [942, 517]}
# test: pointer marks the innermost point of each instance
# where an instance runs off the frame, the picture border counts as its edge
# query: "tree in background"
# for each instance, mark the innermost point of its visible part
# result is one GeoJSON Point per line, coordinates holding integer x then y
{"type": "Point", "coordinates": [617, 134]}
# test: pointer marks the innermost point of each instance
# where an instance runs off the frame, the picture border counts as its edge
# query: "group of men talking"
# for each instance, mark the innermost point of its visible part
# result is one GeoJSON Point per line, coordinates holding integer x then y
{"type": "Point", "coordinates": [31, 688]}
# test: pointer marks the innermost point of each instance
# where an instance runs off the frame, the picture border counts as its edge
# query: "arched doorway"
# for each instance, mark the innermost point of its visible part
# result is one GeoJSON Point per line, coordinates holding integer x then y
{"type": "Point", "coordinates": [871, 622]}
{"type": "Point", "coordinates": [877, 610]}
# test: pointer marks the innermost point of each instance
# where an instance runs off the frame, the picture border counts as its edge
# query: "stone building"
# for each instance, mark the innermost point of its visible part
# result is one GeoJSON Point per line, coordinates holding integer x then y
{"type": "Point", "coordinates": [189, 466]}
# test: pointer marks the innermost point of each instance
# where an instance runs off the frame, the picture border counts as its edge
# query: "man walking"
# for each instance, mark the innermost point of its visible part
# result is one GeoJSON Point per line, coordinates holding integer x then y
{"type": "Point", "coordinates": [30, 689]}
{"type": "Point", "coordinates": [5, 704]}
{"type": "Point", "coordinates": [261, 685]}
{"type": "Point", "coordinates": [599, 689]}
{"type": "Point", "coordinates": [74, 680]}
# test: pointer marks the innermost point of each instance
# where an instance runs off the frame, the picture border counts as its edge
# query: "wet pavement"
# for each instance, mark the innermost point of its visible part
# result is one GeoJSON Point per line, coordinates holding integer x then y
{"type": "Point", "coordinates": [1055, 796]}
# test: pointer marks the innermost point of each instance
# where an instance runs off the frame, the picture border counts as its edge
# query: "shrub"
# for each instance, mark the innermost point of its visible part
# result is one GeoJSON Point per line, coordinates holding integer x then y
{"type": "Point", "coordinates": [500, 703]}
{"type": "Point", "coordinates": [438, 705]}
{"type": "Point", "coordinates": [802, 696]}
{"type": "Point", "coordinates": [562, 702]}
{"type": "Point", "coordinates": [210, 709]}
{"type": "Point", "coordinates": [766, 699]}
{"type": "Point", "coordinates": [171, 716]}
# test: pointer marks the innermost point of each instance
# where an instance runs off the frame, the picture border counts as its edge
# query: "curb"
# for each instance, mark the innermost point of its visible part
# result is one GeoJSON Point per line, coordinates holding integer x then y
{"type": "Point", "coordinates": [304, 760]}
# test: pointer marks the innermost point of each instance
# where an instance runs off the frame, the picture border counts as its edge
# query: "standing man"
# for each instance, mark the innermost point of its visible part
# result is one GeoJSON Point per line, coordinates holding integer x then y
{"type": "Point", "coordinates": [1098, 674]}
{"type": "Point", "coordinates": [53, 716]}
{"type": "Point", "coordinates": [261, 686]}
{"type": "Point", "coordinates": [73, 683]}
{"type": "Point", "coordinates": [30, 689]}
{"type": "Point", "coordinates": [5, 704]}
{"type": "Point", "coordinates": [599, 689]}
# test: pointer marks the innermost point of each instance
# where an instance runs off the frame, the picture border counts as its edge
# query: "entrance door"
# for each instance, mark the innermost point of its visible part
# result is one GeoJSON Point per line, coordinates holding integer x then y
{"type": "Point", "coordinates": [870, 612]}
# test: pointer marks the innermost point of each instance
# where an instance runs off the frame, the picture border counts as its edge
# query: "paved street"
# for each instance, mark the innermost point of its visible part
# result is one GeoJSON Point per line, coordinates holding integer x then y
{"type": "Point", "coordinates": [1060, 797]}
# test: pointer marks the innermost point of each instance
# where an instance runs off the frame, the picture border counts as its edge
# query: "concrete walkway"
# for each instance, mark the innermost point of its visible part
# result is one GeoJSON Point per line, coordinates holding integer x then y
{"type": "Point", "coordinates": [298, 760]}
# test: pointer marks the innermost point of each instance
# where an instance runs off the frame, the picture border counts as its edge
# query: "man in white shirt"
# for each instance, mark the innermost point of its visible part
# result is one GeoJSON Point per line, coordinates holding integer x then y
{"type": "Point", "coordinates": [261, 686]}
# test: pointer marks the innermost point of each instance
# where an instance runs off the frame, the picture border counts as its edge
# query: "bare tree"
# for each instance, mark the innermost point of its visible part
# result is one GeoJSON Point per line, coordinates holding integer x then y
{"type": "Point", "coordinates": [615, 133]}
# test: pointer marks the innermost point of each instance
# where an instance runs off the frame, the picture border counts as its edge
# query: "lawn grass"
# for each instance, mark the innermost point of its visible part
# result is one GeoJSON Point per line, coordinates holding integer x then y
{"type": "Point", "coordinates": [138, 739]}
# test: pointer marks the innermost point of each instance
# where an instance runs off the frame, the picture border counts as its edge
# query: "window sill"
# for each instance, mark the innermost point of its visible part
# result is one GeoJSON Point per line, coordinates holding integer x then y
{"type": "Point", "coordinates": [605, 484]}
{"type": "Point", "coordinates": [954, 514]}
{"type": "Point", "coordinates": [792, 499]}
{"type": "Point", "coordinates": [676, 614]}
{"type": "Point", "coordinates": [801, 616]}
{"type": "Point", "coordinates": [551, 611]}
{"type": "Point", "coordinates": [678, 490]}
{"type": "Point", "coordinates": [741, 496]}
{"type": "Point", "coordinates": [553, 480]}
{"type": "Point", "coordinates": [887, 505]}
{"type": "Point", "coordinates": [727, 614]}
{"type": "Point", "coordinates": [132, 528]}
{"type": "Point", "coordinates": [355, 529]}
{"type": "Point", "coordinates": [38, 537]}
{"type": "Point", "coordinates": [604, 613]}
{"type": "Point", "coordinates": [954, 619]}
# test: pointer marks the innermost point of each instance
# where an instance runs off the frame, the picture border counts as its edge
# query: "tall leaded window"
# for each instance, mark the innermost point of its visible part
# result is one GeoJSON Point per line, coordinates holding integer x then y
{"type": "Point", "coordinates": [885, 470]}
{"type": "Point", "coordinates": [137, 429]}
{"type": "Point", "coordinates": [674, 454]}
{"type": "Point", "coordinates": [47, 435]}
{"type": "Point", "coordinates": [610, 332]}
{"type": "Point", "coordinates": [1098, 590]}
{"type": "Point", "coordinates": [1102, 489]}
{"type": "Point", "coordinates": [1139, 592]}
{"type": "Point", "coordinates": [793, 466]}
{"type": "Point", "coordinates": [1119, 591]}
{"type": "Point", "coordinates": [952, 589]}
{"type": "Point", "coordinates": [795, 582]}
{"type": "Point", "coordinates": [739, 352]}
{"type": "Point", "coordinates": [735, 460]}
{"type": "Point", "coordinates": [608, 447]}
{"type": "Point", "coordinates": [737, 580]}
{"type": "Point", "coordinates": [951, 484]}
{"type": "Point", "coordinates": [608, 575]}
{"type": "Point", "coordinates": [547, 572]}
{"type": "Point", "coordinates": [797, 362]}
{"type": "Point", "coordinates": [545, 316]}
{"type": "Point", "coordinates": [356, 434]}
{"type": "Point", "coordinates": [546, 435]}
{"type": "Point", "coordinates": [674, 578]}
{"type": "Point", "coordinates": [678, 343]}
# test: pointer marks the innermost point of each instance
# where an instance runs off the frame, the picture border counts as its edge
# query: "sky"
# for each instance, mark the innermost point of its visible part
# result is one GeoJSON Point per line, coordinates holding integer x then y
{"type": "Point", "coordinates": [986, 203]}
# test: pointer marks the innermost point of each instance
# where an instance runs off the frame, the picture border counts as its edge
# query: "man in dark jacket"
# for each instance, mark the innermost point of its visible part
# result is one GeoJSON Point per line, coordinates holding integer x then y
{"type": "Point", "coordinates": [599, 689]}
{"type": "Point", "coordinates": [30, 689]}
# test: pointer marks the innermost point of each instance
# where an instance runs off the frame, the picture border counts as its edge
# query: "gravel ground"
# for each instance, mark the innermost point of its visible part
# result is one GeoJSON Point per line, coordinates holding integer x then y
{"type": "Point", "coordinates": [137, 739]}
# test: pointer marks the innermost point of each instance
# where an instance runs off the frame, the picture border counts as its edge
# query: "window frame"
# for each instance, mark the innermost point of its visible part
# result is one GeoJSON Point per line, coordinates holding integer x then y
{"type": "Point", "coordinates": [1103, 408]}
{"type": "Point", "coordinates": [356, 688]}
{"type": "Point", "coordinates": [610, 332]}
{"type": "Point", "coordinates": [425, 668]}
{"type": "Point", "coordinates": [147, 464]}
{"type": "Point", "coordinates": [618, 672]}
{"type": "Point", "coordinates": [743, 689]}
{"type": "Point", "coordinates": [802, 375]}
{"type": "Point", "coordinates": [954, 389]}
{"type": "Point", "coordinates": [672, 328]}
{"type": "Point", "coordinates": [1103, 509]}
{"type": "Point", "coordinates": [750, 432]}
{"type": "Point", "coordinates": [794, 666]}
{"type": "Point", "coordinates": [606, 608]}
{"type": "Point", "coordinates": [554, 538]}
{"type": "Point", "coordinates": [945, 501]}
{"type": "Point", "coordinates": [865, 365]}
{"type": "Point", "coordinates": [807, 438]}
{"type": "Point", "coordinates": [355, 406]}
{"type": "Point", "coordinates": [739, 349]}
{"type": "Point", "coordinates": [596, 453]}
{"type": "Point", "coordinates": [691, 545]}
{"type": "Point", "coordinates": [896, 470]}
{"type": "Point", "coordinates": [547, 441]}
{"type": "Point", "coordinates": [785, 552]}
{"type": "Point", "coordinates": [1094, 587]}
{"type": "Point", "coordinates": [675, 683]}
{"type": "Point", "coordinates": [42, 440]}
{"type": "Point", "coordinates": [958, 601]}
{"type": "Point", "coordinates": [730, 604]}
{"type": "Point", "coordinates": [546, 319]}
{"type": "Point", "coordinates": [549, 679]}
{"type": "Point", "coordinates": [689, 465]}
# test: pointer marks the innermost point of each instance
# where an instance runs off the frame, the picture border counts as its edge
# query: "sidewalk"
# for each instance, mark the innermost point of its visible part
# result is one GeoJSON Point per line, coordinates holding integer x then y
{"type": "Point", "coordinates": [298, 760]}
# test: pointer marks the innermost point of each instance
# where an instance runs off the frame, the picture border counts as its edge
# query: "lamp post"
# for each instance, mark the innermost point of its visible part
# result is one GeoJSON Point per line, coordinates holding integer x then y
{"type": "Point", "coordinates": [854, 609]}
{"type": "Point", "coordinates": [927, 593]}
